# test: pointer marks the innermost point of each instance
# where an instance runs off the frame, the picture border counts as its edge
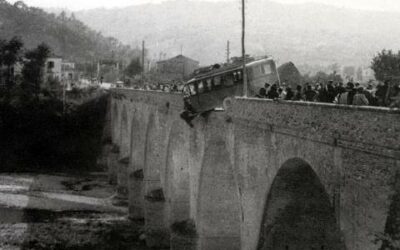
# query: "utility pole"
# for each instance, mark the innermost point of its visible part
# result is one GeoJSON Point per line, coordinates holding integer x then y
{"type": "Point", "coordinates": [64, 95]}
{"type": "Point", "coordinates": [143, 65]}
{"type": "Point", "coordinates": [228, 52]}
{"type": "Point", "coordinates": [245, 87]}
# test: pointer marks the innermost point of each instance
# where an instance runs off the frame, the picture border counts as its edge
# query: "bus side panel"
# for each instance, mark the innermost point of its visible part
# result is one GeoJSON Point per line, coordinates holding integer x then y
{"type": "Point", "coordinates": [194, 100]}
{"type": "Point", "coordinates": [212, 99]}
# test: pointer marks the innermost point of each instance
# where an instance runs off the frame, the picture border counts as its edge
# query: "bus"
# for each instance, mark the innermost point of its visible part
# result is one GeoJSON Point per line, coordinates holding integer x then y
{"type": "Point", "coordinates": [208, 89]}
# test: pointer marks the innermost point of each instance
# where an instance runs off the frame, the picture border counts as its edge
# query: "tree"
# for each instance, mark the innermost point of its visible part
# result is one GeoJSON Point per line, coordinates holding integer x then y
{"type": "Point", "coordinates": [9, 56]}
{"type": "Point", "coordinates": [386, 64]}
{"type": "Point", "coordinates": [133, 68]}
{"type": "Point", "coordinates": [33, 68]}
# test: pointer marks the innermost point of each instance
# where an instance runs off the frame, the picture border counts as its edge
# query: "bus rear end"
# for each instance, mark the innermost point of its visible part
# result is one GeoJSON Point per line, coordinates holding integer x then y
{"type": "Point", "coordinates": [260, 73]}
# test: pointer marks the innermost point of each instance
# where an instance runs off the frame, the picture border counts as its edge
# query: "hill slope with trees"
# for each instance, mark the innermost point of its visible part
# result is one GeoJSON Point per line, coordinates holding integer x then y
{"type": "Point", "coordinates": [303, 33]}
{"type": "Point", "coordinates": [66, 36]}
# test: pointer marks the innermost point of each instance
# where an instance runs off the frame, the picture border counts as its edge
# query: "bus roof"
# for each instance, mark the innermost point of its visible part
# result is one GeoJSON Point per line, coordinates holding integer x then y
{"type": "Point", "coordinates": [227, 68]}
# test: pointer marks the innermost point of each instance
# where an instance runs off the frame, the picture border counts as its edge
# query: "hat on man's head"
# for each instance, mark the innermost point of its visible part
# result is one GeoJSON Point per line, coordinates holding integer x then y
{"type": "Point", "coordinates": [350, 85]}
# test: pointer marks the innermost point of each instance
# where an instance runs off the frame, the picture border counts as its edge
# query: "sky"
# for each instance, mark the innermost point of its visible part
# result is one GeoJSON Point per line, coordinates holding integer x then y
{"type": "Point", "coordinates": [381, 5]}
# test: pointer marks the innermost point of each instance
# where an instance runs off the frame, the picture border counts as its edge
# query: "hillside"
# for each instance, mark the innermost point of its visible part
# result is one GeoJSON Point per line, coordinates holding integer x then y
{"type": "Point", "coordinates": [67, 36]}
{"type": "Point", "coordinates": [304, 33]}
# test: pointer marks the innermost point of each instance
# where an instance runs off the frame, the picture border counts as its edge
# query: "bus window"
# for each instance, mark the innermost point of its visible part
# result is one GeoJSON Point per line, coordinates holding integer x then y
{"type": "Point", "coordinates": [192, 89]}
{"type": "Point", "coordinates": [200, 87]}
{"type": "Point", "coordinates": [217, 82]}
{"type": "Point", "coordinates": [229, 80]}
{"type": "Point", "coordinates": [240, 75]}
{"type": "Point", "coordinates": [186, 90]}
{"type": "Point", "coordinates": [207, 85]}
{"type": "Point", "coordinates": [223, 80]}
{"type": "Point", "coordinates": [266, 68]}
{"type": "Point", "coordinates": [237, 76]}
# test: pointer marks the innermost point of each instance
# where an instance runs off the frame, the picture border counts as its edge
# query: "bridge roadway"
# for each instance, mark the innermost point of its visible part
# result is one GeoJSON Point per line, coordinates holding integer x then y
{"type": "Point", "coordinates": [261, 175]}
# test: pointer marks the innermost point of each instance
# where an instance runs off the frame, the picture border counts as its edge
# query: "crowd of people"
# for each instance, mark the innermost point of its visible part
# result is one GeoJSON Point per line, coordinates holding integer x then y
{"type": "Point", "coordinates": [165, 87]}
{"type": "Point", "coordinates": [386, 94]}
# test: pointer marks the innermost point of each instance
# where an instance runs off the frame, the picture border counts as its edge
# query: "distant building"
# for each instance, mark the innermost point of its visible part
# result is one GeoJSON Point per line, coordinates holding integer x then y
{"type": "Point", "coordinates": [179, 67]}
{"type": "Point", "coordinates": [360, 74]}
{"type": "Point", "coordinates": [108, 71]}
{"type": "Point", "coordinates": [68, 71]}
{"type": "Point", "coordinates": [53, 69]}
{"type": "Point", "coordinates": [57, 72]}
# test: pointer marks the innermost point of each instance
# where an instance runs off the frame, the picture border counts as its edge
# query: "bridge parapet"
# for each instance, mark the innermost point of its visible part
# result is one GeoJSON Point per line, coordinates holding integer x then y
{"type": "Point", "coordinates": [155, 98]}
{"type": "Point", "coordinates": [371, 129]}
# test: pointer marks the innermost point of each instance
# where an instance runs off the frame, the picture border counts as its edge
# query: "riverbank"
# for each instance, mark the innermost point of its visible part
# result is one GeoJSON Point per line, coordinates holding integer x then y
{"type": "Point", "coordinates": [64, 211]}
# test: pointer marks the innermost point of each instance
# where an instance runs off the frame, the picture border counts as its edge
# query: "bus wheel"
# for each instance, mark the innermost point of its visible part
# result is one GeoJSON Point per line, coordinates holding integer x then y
{"type": "Point", "coordinates": [227, 103]}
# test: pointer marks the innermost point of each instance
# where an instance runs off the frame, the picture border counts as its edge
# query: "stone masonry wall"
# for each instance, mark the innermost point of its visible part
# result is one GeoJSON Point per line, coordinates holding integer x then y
{"type": "Point", "coordinates": [353, 151]}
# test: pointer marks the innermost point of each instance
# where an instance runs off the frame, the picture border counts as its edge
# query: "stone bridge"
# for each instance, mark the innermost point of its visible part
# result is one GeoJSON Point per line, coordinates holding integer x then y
{"type": "Point", "coordinates": [261, 175]}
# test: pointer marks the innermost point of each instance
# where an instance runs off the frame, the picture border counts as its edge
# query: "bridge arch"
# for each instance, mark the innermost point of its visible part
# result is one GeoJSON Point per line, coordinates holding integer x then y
{"type": "Point", "coordinates": [177, 179]}
{"type": "Point", "coordinates": [154, 198]}
{"type": "Point", "coordinates": [219, 211]}
{"type": "Point", "coordinates": [124, 137]}
{"type": "Point", "coordinates": [136, 168]}
{"type": "Point", "coordinates": [115, 122]}
{"type": "Point", "coordinates": [298, 213]}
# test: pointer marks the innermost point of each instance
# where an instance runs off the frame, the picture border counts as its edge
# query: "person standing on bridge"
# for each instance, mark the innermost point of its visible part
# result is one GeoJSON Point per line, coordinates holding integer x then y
{"type": "Point", "coordinates": [347, 97]}
{"type": "Point", "coordinates": [289, 94]}
{"type": "Point", "coordinates": [273, 92]}
{"type": "Point", "coordinates": [310, 94]}
{"type": "Point", "coordinates": [262, 93]}
{"type": "Point", "coordinates": [381, 93]}
{"type": "Point", "coordinates": [298, 95]}
{"type": "Point", "coordinates": [359, 98]}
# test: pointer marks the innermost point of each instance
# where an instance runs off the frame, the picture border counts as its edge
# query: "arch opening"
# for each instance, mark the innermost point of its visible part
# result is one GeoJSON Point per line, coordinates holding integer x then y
{"type": "Point", "coordinates": [219, 214]}
{"type": "Point", "coordinates": [298, 213]}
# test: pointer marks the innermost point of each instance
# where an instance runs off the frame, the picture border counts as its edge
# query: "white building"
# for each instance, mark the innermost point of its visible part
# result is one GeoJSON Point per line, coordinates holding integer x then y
{"type": "Point", "coordinates": [53, 69]}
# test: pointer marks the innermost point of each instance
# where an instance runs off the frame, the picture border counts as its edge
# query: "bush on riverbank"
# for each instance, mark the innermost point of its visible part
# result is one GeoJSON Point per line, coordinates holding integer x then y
{"type": "Point", "coordinates": [37, 135]}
